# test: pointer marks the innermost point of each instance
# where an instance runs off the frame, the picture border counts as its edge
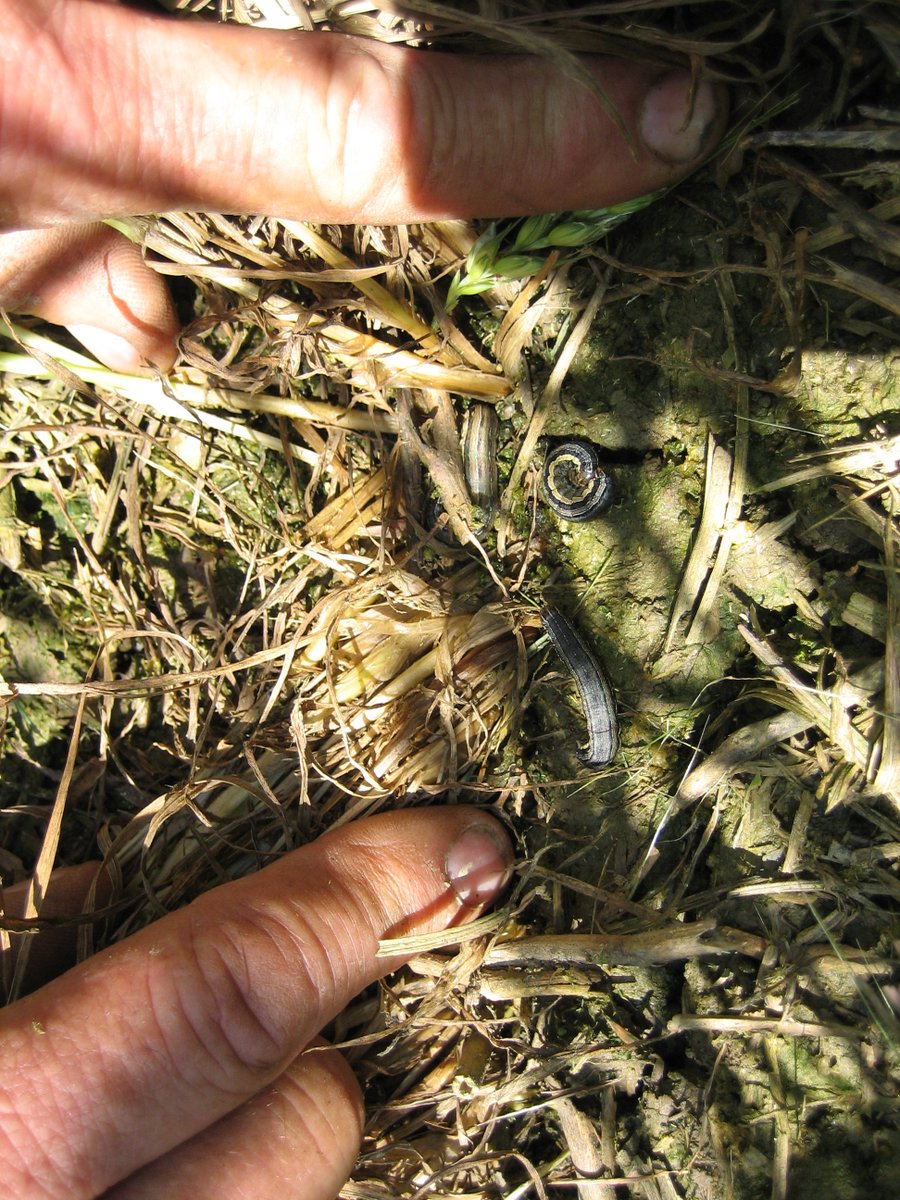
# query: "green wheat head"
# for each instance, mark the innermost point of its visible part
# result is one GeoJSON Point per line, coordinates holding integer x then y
{"type": "Point", "coordinates": [517, 249]}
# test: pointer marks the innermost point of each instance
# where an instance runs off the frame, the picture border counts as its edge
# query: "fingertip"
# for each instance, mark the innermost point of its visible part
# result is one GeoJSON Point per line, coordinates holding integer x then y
{"type": "Point", "coordinates": [543, 141]}
{"type": "Point", "coordinates": [421, 869]}
{"type": "Point", "coordinates": [120, 354]}
{"type": "Point", "coordinates": [96, 283]}
{"type": "Point", "coordinates": [129, 318]}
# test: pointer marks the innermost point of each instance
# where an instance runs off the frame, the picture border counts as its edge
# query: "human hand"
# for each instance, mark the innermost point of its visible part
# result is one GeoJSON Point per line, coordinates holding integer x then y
{"type": "Point", "coordinates": [105, 111]}
{"type": "Point", "coordinates": [171, 1064]}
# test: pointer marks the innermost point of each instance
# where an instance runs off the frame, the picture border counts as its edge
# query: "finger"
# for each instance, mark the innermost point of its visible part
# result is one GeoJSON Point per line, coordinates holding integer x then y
{"type": "Point", "coordinates": [92, 279]}
{"type": "Point", "coordinates": [159, 114]}
{"type": "Point", "coordinates": [295, 1140]}
{"type": "Point", "coordinates": [141, 1047]}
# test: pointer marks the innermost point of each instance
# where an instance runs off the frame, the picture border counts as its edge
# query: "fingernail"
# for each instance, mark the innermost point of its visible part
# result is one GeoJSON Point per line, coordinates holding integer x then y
{"type": "Point", "coordinates": [111, 349]}
{"type": "Point", "coordinates": [676, 118]}
{"type": "Point", "coordinates": [122, 355]}
{"type": "Point", "coordinates": [478, 864]}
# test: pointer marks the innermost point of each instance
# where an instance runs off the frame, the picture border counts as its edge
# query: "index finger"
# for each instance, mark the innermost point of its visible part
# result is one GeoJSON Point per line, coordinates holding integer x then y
{"type": "Point", "coordinates": [156, 114]}
{"type": "Point", "coordinates": [142, 1046]}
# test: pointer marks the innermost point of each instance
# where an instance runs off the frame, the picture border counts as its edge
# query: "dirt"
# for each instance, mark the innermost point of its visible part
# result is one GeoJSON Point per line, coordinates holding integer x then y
{"type": "Point", "coordinates": [644, 389]}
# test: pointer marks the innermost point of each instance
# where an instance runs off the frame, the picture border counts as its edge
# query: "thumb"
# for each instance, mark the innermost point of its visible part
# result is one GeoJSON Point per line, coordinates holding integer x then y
{"type": "Point", "coordinates": [92, 279]}
{"type": "Point", "coordinates": [156, 1039]}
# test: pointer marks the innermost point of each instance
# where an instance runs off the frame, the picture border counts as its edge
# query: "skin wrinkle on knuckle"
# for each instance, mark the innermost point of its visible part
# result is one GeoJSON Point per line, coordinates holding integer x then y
{"type": "Point", "coordinates": [130, 157]}
{"type": "Point", "coordinates": [21, 123]}
{"type": "Point", "coordinates": [71, 96]}
{"type": "Point", "coordinates": [45, 1117]}
{"type": "Point", "coordinates": [306, 951]}
{"type": "Point", "coordinates": [239, 994]}
{"type": "Point", "coordinates": [18, 279]}
{"type": "Point", "coordinates": [322, 1114]}
{"type": "Point", "coordinates": [512, 144]}
{"type": "Point", "coordinates": [130, 110]}
{"type": "Point", "coordinates": [328, 951]}
{"type": "Point", "coordinates": [227, 1027]}
{"type": "Point", "coordinates": [351, 151]}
